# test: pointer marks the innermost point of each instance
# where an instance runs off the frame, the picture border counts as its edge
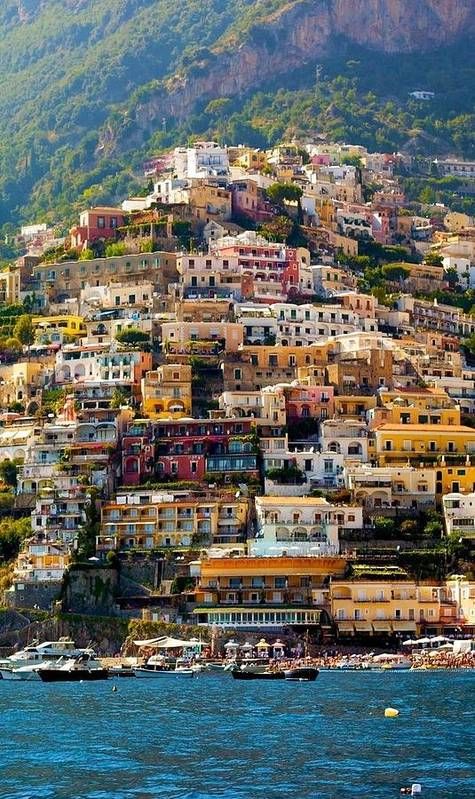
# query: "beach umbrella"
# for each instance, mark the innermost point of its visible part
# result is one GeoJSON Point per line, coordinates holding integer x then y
{"type": "Point", "coordinates": [409, 642]}
{"type": "Point", "coordinates": [440, 639]}
{"type": "Point", "coordinates": [423, 640]}
{"type": "Point", "coordinates": [247, 647]}
{"type": "Point", "coordinates": [231, 644]}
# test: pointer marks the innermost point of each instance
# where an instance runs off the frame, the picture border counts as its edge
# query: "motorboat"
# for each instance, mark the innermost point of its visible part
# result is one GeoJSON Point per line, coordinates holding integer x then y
{"type": "Point", "coordinates": [24, 665]}
{"type": "Point", "coordinates": [82, 668]}
{"type": "Point", "coordinates": [301, 674]}
{"type": "Point", "coordinates": [160, 666]}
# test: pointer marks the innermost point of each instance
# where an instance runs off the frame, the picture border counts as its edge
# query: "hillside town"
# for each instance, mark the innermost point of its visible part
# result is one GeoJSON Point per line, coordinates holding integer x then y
{"type": "Point", "coordinates": [244, 401]}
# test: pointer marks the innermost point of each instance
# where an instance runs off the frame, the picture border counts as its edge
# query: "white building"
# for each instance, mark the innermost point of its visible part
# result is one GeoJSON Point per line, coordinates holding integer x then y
{"type": "Point", "coordinates": [346, 437]}
{"type": "Point", "coordinates": [301, 526]}
{"type": "Point", "coordinates": [205, 160]}
{"type": "Point", "coordinates": [391, 486]}
{"type": "Point", "coordinates": [463, 265]}
{"type": "Point", "coordinates": [300, 325]}
{"type": "Point", "coordinates": [459, 514]}
{"type": "Point", "coordinates": [320, 469]}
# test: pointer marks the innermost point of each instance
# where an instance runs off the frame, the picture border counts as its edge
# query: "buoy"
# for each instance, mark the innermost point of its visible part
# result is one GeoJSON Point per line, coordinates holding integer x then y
{"type": "Point", "coordinates": [114, 688]}
{"type": "Point", "coordinates": [391, 712]}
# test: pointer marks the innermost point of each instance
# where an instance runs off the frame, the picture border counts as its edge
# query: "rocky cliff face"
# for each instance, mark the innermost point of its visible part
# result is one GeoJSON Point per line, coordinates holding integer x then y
{"type": "Point", "coordinates": [300, 33]}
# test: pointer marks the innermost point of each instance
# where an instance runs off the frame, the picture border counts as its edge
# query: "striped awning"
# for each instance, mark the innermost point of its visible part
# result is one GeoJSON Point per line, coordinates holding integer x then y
{"type": "Point", "coordinates": [363, 626]}
{"type": "Point", "coordinates": [382, 626]}
{"type": "Point", "coordinates": [400, 625]}
{"type": "Point", "coordinates": [346, 627]}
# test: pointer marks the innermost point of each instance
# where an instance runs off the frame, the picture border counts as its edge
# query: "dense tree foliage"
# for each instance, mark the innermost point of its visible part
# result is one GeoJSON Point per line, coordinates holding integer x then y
{"type": "Point", "coordinates": [12, 534]}
{"type": "Point", "coordinates": [76, 72]}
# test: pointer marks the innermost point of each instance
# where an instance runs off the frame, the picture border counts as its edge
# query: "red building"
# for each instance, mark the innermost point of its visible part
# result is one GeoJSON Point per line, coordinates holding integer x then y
{"type": "Point", "coordinates": [192, 449]}
{"type": "Point", "coordinates": [138, 453]}
{"type": "Point", "coordinates": [95, 224]}
{"type": "Point", "coordinates": [187, 450]}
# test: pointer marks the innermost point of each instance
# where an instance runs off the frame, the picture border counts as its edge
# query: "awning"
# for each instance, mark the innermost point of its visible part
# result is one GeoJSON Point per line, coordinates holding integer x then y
{"type": "Point", "coordinates": [382, 626]}
{"type": "Point", "coordinates": [363, 627]}
{"type": "Point", "coordinates": [404, 626]}
{"type": "Point", "coordinates": [164, 643]}
{"type": "Point", "coordinates": [346, 627]}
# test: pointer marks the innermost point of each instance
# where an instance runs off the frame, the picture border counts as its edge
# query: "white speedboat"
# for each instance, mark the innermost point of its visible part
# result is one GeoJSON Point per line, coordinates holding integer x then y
{"type": "Point", "coordinates": [77, 669]}
{"type": "Point", "coordinates": [22, 673]}
{"type": "Point", "coordinates": [24, 665]}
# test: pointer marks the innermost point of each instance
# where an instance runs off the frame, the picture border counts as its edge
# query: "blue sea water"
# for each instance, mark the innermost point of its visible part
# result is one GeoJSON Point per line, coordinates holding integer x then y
{"type": "Point", "coordinates": [215, 737]}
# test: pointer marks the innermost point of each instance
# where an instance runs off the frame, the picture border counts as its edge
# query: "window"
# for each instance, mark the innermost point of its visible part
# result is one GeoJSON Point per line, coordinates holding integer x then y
{"type": "Point", "coordinates": [234, 582]}
{"type": "Point", "coordinates": [257, 582]}
{"type": "Point", "coordinates": [237, 374]}
{"type": "Point", "coordinates": [101, 222]}
{"type": "Point", "coordinates": [280, 582]}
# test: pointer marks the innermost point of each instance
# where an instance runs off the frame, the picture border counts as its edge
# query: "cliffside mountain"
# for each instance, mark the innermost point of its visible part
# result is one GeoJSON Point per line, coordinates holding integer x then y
{"type": "Point", "coordinates": [90, 87]}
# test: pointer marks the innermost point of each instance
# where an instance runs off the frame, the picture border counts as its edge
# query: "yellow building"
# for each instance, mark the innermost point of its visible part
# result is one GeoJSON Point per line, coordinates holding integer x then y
{"type": "Point", "coordinates": [166, 392]}
{"type": "Point", "coordinates": [10, 286]}
{"type": "Point", "coordinates": [145, 519]}
{"type": "Point", "coordinates": [248, 158]}
{"type": "Point", "coordinates": [266, 592]}
{"type": "Point", "coordinates": [454, 479]}
{"type": "Point", "coordinates": [387, 607]}
{"type": "Point", "coordinates": [396, 443]}
{"type": "Point", "coordinates": [400, 413]}
{"type": "Point", "coordinates": [254, 367]}
{"type": "Point", "coordinates": [423, 398]}
{"type": "Point", "coordinates": [21, 382]}
{"type": "Point", "coordinates": [350, 406]}
{"type": "Point", "coordinates": [208, 202]}
{"type": "Point", "coordinates": [65, 324]}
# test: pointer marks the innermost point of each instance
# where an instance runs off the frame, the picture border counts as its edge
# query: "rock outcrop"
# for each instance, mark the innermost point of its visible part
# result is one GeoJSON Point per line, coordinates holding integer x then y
{"type": "Point", "coordinates": [295, 37]}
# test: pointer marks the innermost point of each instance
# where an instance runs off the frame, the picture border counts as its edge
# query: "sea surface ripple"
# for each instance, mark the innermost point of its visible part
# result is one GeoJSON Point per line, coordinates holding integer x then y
{"type": "Point", "coordinates": [215, 737]}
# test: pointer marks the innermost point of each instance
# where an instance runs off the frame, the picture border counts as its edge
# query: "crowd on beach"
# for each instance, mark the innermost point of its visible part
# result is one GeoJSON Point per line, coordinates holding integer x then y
{"type": "Point", "coordinates": [333, 659]}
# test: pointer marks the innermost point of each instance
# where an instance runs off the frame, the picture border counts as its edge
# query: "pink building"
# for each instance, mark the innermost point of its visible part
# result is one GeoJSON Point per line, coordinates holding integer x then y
{"type": "Point", "coordinates": [309, 402]}
{"type": "Point", "coordinates": [273, 269]}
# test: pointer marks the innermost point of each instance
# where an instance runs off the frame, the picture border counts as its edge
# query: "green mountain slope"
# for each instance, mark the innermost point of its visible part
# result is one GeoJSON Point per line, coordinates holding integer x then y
{"type": "Point", "coordinates": [91, 87]}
